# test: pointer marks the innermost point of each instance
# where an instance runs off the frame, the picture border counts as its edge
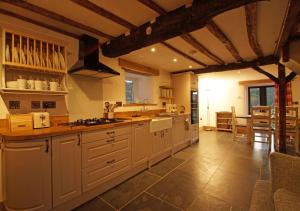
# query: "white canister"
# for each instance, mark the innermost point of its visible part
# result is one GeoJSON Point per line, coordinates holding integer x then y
{"type": "Point", "coordinates": [45, 85]}
{"type": "Point", "coordinates": [53, 86]}
{"type": "Point", "coordinates": [30, 84]}
{"type": "Point", "coordinates": [22, 83]}
{"type": "Point", "coordinates": [38, 85]}
{"type": "Point", "coordinates": [111, 115]}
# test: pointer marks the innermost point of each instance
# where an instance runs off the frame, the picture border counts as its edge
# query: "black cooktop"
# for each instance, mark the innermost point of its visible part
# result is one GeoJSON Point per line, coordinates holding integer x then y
{"type": "Point", "coordinates": [93, 121]}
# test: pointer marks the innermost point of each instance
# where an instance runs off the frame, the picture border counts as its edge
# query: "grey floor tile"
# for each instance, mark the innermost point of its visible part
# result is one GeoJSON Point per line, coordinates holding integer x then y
{"type": "Point", "coordinates": [205, 202]}
{"type": "Point", "coordinates": [179, 188]}
{"type": "Point", "coordinates": [129, 189]}
{"type": "Point", "coordinates": [95, 204]}
{"type": "Point", "coordinates": [147, 202]}
{"type": "Point", "coordinates": [232, 188]}
{"type": "Point", "coordinates": [165, 166]}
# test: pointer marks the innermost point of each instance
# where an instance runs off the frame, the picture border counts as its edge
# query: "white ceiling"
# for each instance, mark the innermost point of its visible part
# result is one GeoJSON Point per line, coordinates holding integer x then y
{"type": "Point", "coordinates": [232, 23]}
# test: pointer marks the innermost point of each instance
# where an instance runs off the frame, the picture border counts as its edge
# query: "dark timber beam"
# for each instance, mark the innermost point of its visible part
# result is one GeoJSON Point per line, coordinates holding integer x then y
{"type": "Point", "coordinates": [193, 42]}
{"type": "Point", "coordinates": [105, 13]}
{"type": "Point", "coordinates": [251, 22]}
{"type": "Point", "coordinates": [177, 22]}
{"type": "Point", "coordinates": [282, 108]}
{"type": "Point", "coordinates": [154, 6]}
{"type": "Point", "coordinates": [290, 77]}
{"type": "Point", "coordinates": [183, 54]}
{"type": "Point", "coordinates": [220, 35]}
{"type": "Point", "coordinates": [56, 17]}
{"type": "Point", "coordinates": [38, 23]}
{"type": "Point", "coordinates": [269, 75]}
{"type": "Point", "coordinates": [234, 66]}
{"type": "Point", "coordinates": [151, 4]}
{"type": "Point", "coordinates": [289, 22]}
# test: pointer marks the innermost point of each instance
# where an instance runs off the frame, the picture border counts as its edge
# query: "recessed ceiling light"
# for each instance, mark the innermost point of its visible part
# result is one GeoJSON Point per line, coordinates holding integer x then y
{"type": "Point", "coordinates": [190, 66]}
{"type": "Point", "coordinates": [174, 60]}
{"type": "Point", "coordinates": [153, 49]}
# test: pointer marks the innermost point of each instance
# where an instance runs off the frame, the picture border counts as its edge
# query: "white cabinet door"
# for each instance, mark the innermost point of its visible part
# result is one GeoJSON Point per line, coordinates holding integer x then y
{"type": "Point", "coordinates": [178, 131]}
{"type": "Point", "coordinates": [66, 167]}
{"type": "Point", "coordinates": [140, 143]}
{"type": "Point", "coordinates": [167, 139]}
{"type": "Point", "coordinates": [157, 144]}
{"type": "Point", "coordinates": [27, 175]}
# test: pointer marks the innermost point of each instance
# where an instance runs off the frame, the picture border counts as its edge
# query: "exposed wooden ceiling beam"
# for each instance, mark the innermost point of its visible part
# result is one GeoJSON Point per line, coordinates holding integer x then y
{"type": "Point", "coordinates": [251, 22]}
{"type": "Point", "coordinates": [137, 68]}
{"type": "Point", "coordinates": [269, 75]}
{"type": "Point", "coordinates": [103, 12]}
{"type": "Point", "coordinates": [177, 22]}
{"type": "Point", "coordinates": [38, 23]}
{"type": "Point", "coordinates": [56, 17]}
{"type": "Point", "coordinates": [151, 4]}
{"type": "Point", "coordinates": [234, 66]}
{"type": "Point", "coordinates": [193, 42]}
{"type": "Point", "coordinates": [290, 20]}
{"type": "Point", "coordinates": [220, 35]}
{"type": "Point", "coordinates": [183, 54]}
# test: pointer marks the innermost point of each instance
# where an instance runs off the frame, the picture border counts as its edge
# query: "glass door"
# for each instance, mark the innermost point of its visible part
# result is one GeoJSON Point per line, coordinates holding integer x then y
{"type": "Point", "coordinates": [261, 96]}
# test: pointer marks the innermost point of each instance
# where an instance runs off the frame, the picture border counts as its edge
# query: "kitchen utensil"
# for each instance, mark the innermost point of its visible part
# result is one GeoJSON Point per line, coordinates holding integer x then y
{"type": "Point", "coordinates": [12, 84]}
{"type": "Point", "coordinates": [40, 119]}
{"type": "Point", "coordinates": [45, 85]}
{"type": "Point", "coordinates": [7, 53]}
{"type": "Point", "coordinates": [30, 84]}
{"type": "Point", "coordinates": [53, 86]}
{"type": "Point", "coordinates": [38, 85]}
{"type": "Point", "coordinates": [37, 59]}
{"type": "Point", "coordinates": [62, 61]}
{"type": "Point", "coordinates": [55, 61]}
{"type": "Point", "coordinates": [106, 104]}
{"type": "Point", "coordinates": [30, 59]}
{"type": "Point", "coordinates": [15, 55]}
{"type": "Point", "coordinates": [22, 57]}
{"type": "Point", "coordinates": [22, 83]}
{"type": "Point", "coordinates": [111, 115]}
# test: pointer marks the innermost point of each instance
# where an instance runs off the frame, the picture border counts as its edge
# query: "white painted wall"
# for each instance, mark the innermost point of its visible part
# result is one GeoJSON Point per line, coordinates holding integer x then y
{"type": "Point", "coordinates": [223, 91]}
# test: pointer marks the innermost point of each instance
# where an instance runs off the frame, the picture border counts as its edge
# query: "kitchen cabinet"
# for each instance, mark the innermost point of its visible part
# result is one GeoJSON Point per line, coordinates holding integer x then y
{"type": "Point", "coordinates": [140, 143]}
{"type": "Point", "coordinates": [161, 143]}
{"type": "Point", "coordinates": [27, 174]}
{"type": "Point", "coordinates": [106, 154]}
{"type": "Point", "coordinates": [66, 167]}
{"type": "Point", "coordinates": [178, 132]}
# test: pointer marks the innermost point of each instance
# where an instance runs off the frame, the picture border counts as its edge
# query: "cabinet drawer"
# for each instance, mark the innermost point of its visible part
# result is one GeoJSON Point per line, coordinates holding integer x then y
{"type": "Point", "coordinates": [104, 134]}
{"type": "Point", "coordinates": [93, 152]}
{"type": "Point", "coordinates": [108, 167]}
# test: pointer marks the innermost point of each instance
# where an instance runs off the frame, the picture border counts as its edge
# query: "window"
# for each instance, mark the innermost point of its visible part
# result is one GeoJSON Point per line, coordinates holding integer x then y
{"type": "Point", "coordinates": [261, 96]}
{"type": "Point", "coordinates": [138, 88]}
{"type": "Point", "coordinates": [129, 91]}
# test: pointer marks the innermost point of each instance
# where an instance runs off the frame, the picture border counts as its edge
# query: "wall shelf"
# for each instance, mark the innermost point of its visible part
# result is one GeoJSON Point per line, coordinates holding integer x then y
{"type": "Point", "coordinates": [30, 91]}
{"type": "Point", "coordinates": [29, 68]}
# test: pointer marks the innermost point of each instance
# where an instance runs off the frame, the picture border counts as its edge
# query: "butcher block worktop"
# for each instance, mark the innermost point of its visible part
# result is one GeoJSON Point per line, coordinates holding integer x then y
{"type": "Point", "coordinates": [62, 130]}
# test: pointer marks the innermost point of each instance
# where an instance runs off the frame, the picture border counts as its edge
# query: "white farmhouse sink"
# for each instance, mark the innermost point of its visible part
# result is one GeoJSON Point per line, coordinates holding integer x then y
{"type": "Point", "coordinates": [160, 123]}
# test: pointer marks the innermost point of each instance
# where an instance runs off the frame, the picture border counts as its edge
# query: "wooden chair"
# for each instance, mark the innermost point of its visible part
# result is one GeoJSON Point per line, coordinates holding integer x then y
{"type": "Point", "coordinates": [261, 124]}
{"type": "Point", "coordinates": [292, 130]}
{"type": "Point", "coordinates": [238, 129]}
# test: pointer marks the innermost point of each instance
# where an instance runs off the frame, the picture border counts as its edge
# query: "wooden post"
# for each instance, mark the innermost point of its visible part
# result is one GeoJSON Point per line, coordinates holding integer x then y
{"type": "Point", "coordinates": [282, 108]}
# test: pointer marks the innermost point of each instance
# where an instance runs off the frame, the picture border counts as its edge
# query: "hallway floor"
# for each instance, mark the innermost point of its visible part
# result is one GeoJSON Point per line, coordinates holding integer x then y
{"type": "Point", "coordinates": [214, 174]}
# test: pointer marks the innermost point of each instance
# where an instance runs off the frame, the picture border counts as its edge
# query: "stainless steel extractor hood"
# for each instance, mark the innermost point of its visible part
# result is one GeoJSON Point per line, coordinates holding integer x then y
{"type": "Point", "coordinates": [88, 63]}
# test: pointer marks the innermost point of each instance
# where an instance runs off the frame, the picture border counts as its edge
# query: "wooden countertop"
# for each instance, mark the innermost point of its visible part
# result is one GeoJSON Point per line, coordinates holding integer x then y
{"type": "Point", "coordinates": [63, 130]}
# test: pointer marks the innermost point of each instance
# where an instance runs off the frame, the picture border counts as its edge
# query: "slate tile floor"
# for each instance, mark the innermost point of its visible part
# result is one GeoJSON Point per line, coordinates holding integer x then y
{"type": "Point", "coordinates": [214, 174]}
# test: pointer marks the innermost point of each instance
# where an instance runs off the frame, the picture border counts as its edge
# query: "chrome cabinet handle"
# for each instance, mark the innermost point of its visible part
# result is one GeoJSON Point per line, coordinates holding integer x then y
{"type": "Point", "coordinates": [47, 146]}
{"type": "Point", "coordinates": [110, 140]}
{"type": "Point", "coordinates": [111, 161]}
{"type": "Point", "coordinates": [79, 139]}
